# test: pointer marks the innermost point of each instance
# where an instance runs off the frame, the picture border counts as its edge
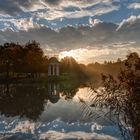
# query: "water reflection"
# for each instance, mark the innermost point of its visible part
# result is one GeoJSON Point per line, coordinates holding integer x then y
{"type": "Point", "coordinates": [53, 92]}
{"type": "Point", "coordinates": [23, 101]}
{"type": "Point", "coordinates": [41, 111]}
{"type": "Point", "coordinates": [28, 100]}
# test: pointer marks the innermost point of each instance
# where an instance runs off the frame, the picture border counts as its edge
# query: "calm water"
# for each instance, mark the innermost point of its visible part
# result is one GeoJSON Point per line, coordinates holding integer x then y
{"type": "Point", "coordinates": [51, 111]}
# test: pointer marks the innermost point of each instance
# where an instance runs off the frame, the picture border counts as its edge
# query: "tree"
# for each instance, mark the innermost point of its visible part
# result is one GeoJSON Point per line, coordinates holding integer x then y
{"type": "Point", "coordinates": [122, 97]}
{"type": "Point", "coordinates": [8, 56]}
{"type": "Point", "coordinates": [28, 58]}
{"type": "Point", "coordinates": [70, 66]}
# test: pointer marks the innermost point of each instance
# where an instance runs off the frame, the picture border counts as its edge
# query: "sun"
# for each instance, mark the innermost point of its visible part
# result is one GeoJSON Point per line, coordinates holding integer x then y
{"type": "Point", "coordinates": [78, 54]}
{"type": "Point", "coordinates": [70, 53]}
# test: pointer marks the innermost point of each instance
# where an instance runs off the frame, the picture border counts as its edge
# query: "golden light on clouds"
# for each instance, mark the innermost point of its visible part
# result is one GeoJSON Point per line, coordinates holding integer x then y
{"type": "Point", "coordinates": [85, 55]}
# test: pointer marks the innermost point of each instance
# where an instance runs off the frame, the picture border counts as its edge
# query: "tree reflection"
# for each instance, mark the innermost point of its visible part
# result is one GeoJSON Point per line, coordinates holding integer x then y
{"type": "Point", "coordinates": [69, 88]}
{"type": "Point", "coordinates": [28, 100]}
{"type": "Point", "coordinates": [23, 101]}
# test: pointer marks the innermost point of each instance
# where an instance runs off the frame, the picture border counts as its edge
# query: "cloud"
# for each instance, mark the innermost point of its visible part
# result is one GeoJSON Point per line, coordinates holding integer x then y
{"type": "Point", "coordinates": [80, 26]}
{"type": "Point", "coordinates": [82, 53]}
{"type": "Point", "coordinates": [76, 9]}
{"type": "Point", "coordinates": [23, 24]}
{"type": "Point", "coordinates": [54, 9]}
{"type": "Point", "coordinates": [134, 6]}
{"type": "Point", "coordinates": [123, 44]}
{"type": "Point", "coordinates": [17, 7]}
{"type": "Point", "coordinates": [67, 3]}
{"type": "Point", "coordinates": [94, 22]}
{"type": "Point", "coordinates": [58, 129]}
{"type": "Point", "coordinates": [9, 7]}
{"type": "Point", "coordinates": [52, 2]}
{"type": "Point", "coordinates": [132, 22]}
{"type": "Point", "coordinates": [86, 43]}
{"type": "Point", "coordinates": [74, 135]}
{"type": "Point", "coordinates": [99, 54]}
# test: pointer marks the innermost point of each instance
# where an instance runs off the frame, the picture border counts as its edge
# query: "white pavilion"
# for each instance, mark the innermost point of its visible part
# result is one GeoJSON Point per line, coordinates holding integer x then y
{"type": "Point", "coordinates": [53, 67]}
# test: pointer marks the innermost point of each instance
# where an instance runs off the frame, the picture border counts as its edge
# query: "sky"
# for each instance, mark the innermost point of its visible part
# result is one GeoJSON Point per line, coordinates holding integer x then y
{"type": "Point", "coordinates": [88, 30]}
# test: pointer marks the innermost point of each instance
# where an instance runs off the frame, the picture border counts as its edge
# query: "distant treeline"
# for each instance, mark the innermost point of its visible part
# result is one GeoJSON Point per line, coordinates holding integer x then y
{"type": "Point", "coordinates": [29, 60]}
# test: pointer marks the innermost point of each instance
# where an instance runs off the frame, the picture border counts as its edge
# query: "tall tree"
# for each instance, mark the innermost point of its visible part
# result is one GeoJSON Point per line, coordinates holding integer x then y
{"type": "Point", "coordinates": [122, 97]}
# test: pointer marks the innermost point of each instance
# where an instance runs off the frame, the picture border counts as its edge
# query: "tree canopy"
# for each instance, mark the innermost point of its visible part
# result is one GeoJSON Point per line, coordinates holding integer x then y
{"type": "Point", "coordinates": [28, 58]}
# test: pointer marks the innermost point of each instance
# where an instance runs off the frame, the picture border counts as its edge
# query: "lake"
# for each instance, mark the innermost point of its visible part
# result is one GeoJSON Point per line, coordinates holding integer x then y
{"type": "Point", "coordinates": [51, 111]}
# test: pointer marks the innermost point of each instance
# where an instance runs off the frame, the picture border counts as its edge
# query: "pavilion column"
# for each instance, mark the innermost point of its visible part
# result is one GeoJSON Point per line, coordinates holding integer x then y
{"type": "Point", "coordinates": [53, 69]}
{"type": "Point", "coordinates": [49, 70]}
{"type": "Point", "coordinates": [57, 70]}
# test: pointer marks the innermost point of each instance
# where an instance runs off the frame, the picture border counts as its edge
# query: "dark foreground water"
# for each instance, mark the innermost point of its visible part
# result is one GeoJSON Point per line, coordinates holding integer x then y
{"type": "Point", "coordinates": [51, 111]}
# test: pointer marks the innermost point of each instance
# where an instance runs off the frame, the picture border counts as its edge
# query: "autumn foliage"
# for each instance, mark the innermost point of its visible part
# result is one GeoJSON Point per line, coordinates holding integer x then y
{"type": "Point", "coordinates": [19, 59]}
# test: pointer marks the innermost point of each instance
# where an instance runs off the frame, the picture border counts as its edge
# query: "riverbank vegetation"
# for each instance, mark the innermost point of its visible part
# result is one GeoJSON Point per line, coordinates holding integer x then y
{"type": "Point", "coordinates": [28, 61]}
{"type": "Point", "coordinates": [121, 96]}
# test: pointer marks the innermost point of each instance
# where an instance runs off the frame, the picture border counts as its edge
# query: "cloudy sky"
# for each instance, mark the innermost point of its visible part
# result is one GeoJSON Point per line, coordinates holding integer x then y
{"type": "Point", "coordinates": [88, 30]}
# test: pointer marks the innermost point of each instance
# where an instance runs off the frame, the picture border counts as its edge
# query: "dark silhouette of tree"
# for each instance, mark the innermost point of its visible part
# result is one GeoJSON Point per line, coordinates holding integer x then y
{"type": "Point", "coordinates": [122, 97]}
{"type": "Point", "coordinates": [68, 64]}
{"type": "Point", "coordinates": [33, 58]}
{"type": "Point", "coordinates": [22, 59]}
{"type": "Point", "coordinates": [71, 67]}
